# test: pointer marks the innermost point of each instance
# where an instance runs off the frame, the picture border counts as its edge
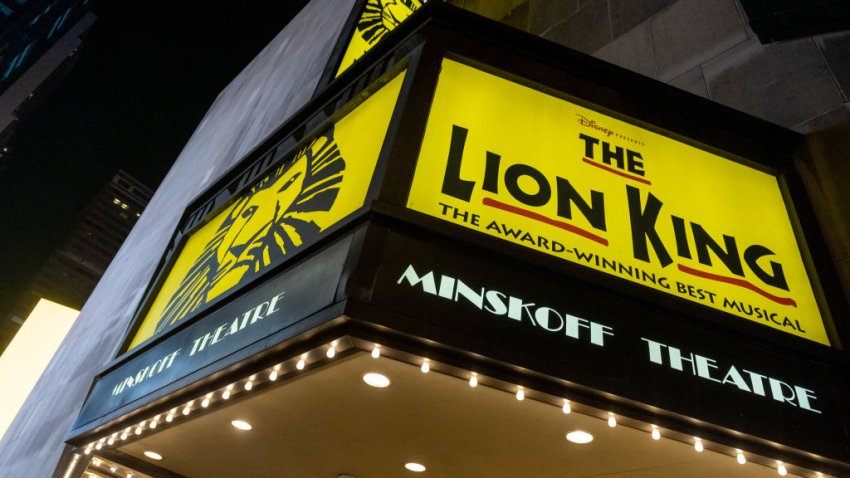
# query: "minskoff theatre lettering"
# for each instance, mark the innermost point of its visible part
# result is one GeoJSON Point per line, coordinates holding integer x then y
{"type": "Point", "coordinates": [745, 380]}
{"type": "Point", "coordinates": [691, 240]}
{"type": "Point", "coordinates": [227, 329]}
{"type": "Point", "coordinates": [501, 304]}
{"type": "Point", "coordinates": [556, 320]}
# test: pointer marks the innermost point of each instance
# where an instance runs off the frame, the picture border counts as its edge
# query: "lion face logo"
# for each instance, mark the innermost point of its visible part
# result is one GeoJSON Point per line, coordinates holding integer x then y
{"type": "Point", "coordinates": [262, 226]}
{"type": "Point", "coordinates": [382, 16]}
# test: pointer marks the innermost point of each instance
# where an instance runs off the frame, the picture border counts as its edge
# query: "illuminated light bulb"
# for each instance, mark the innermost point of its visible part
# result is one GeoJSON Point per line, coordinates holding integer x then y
{"type": "Point", "coordinates": [153, 455]}
{"type": "Point", "coordinates": [781, 468]}
{"type": "Point", "coordinates": [656, 434]}
{"type": "Point", "coordinates": [520, 394]}
{"type": "Point", "coordinates": [698, 445]}
{"type": "Point", "coordinates": [376, 351]}
{"type": "Point", "coordinates": [113, 468]}
{"type": "Point", "coordinates": [273, 375]}
{"type": "Point", "coordinates": [580, 437]}
{"type": "Point", "coordinates": [612, 421]}
{"type": "Point", "coordinates": [566, 408]}
{"type": "Point", "coordinates": [426, 366]}
{"type": "Point", "coordinates": [98, 446]}
{"type": "Point", "coordinates": [206, 401]}
{"type": "Point", "coordinates": [377, 380]}
{"type": "Point", "coordinates": [187, 409]}
{"type": "Point", "coordinates": [301, 363]}
{"type": "Point", "coordinates": [124, 436]}
{"type": "Point", "coordinates": [331, 352]}
{"type": "Point", "coordinates": [111, 441]}
{"type": "Point", "coordinates": [95, 461]}
{"type": "Point", "coordinates": [241, 425]}
{"type": "Point", "coordinates": [153, 424]}
{"type": "Point", "coordinates": [129, 475]}
{"type": "Point", "coordinates": [739, 455]}
{"type": "Point", "coordinates": [87, 451]}
{"type": "Point", "coordinates": [473, 380]}
{"type": "Point", "coordinates": [138, 430]}
{"type": "Point", "coordinates": [249, 385]}
{"type": "Point", "coordinates": [169, 417]}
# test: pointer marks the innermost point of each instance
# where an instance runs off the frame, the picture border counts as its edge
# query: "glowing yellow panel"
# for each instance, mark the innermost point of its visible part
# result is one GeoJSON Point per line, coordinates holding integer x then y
{"type": "Point", "coordinates": [325, 182]}
{"type": "Point", "coordinates": [379, 17]}
{"type": "Point", "coordinates": [29, 353]}
{"type": "Point", "coordinates": [549, 175]}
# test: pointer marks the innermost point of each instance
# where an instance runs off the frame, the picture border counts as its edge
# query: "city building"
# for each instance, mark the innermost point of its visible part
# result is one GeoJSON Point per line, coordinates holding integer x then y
{"type": "Point", "coordinates": [38, 39]}
{"type": "Point", "coordinates": [72, 271]}
{"type": "Point", "coordinates": [410, 239]}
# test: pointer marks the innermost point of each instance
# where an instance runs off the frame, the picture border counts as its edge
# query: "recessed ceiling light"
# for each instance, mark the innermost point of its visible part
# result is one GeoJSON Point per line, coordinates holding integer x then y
{"type": "Point", "coordinates": [241, 424]}
{"type": "Point", "coordinates": [415, 467]}
{"type": "Point", "coordinates": [153, 455]}
{"type": "Point", "coordinates": [376, 380]}
{"type": "Point", "coordinates": [580, 437]}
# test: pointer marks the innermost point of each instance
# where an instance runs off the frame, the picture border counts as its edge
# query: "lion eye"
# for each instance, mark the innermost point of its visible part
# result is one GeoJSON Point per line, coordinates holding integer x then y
{"type": "Point", "coordinates": [289, 183]}
{"type": "Point", "coordinates": [249, 212]}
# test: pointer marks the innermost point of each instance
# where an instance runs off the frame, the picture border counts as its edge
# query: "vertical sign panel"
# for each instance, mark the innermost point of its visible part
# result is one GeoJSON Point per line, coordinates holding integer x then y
{"type": "Point", "coordinates": [378, 18]}
{"type": "Point", "coordinates": [290, 207]}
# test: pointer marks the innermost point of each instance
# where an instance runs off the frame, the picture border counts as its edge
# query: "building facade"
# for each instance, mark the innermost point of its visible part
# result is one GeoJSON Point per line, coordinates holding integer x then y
{"type": "Point", "coordinates": [442, 194]}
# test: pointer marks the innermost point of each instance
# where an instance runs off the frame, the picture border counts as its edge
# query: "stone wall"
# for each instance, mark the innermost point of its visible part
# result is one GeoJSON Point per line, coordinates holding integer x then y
{"type": "Point", "coordinates": [272, 87]}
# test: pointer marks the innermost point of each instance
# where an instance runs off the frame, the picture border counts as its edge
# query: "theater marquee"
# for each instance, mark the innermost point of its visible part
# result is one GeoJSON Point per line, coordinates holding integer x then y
{"type": "Point", "coordinates": [550, 175]}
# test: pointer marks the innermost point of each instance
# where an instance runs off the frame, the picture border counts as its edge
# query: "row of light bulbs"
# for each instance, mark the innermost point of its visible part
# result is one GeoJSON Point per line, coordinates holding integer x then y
{"type": "Point", "coordinates": [330, 352]}
{"type": "Point", "coordinates": [112, 469]}
{"type": "Point", "coordinates": [186, 409]}
{"type": "Point", "coordinates": [566, 407]}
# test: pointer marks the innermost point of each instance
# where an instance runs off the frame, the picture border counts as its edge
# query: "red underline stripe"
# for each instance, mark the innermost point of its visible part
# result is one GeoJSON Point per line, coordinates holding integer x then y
{"type": "Point", "coordinates": [739, 283]}
{"type": "Point", "coordinates": [539, 217]}
{"type": "Point", "coordinates": [618, 173]}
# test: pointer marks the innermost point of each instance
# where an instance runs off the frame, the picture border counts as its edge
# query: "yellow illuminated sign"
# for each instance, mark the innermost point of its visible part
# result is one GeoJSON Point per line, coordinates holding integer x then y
{"type": "Point", "coordinates": [544, 173]}
{"type": "Point", "coordinates": [288, 208]}
{"type": "Point", "coordinates": [378, 18]}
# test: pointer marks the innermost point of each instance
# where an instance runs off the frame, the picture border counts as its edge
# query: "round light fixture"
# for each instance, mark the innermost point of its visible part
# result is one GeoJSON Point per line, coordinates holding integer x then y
{"type": "Point", "coordinates": [153, 455]}
{"type": "Point", "coordinates": [579, 436]}
{"type": "Point", "coordinates": [415, 467]}
{"type": "Point", "coordinates": [698, 446]}
{"type": "Point", "coordinates": [241, 424]}
{"type": "Point", "coordinates": [376, 380]}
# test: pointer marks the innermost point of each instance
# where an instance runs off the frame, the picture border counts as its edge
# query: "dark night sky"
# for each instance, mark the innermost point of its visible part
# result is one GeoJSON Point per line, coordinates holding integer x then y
{"type": "Point", "coordinates": [145, 75]}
